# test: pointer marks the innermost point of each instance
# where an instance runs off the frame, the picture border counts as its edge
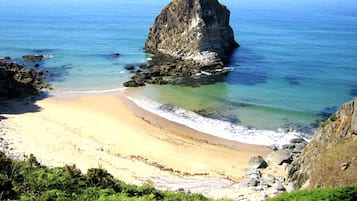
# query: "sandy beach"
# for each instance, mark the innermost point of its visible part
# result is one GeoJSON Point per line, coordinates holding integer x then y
{"type": "Point", "coordinates": [110, 131]}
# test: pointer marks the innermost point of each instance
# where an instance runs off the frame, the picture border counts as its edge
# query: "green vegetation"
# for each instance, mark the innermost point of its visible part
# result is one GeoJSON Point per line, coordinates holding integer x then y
{"type": "Point", "coordinates": [332, 118]}
{"type": "Point", "coordinates": [328, 172]}
{"type": "Point", "coordinates": [29, 180]}
{"type": "Point", "coordinates": [324, 124]}
{"type": "Point", "coordinates": [346, 193]}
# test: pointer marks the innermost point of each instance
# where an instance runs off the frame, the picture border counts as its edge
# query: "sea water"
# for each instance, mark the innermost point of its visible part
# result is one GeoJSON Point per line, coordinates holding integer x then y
{"type": "Point", "coordinates": [297, 62]}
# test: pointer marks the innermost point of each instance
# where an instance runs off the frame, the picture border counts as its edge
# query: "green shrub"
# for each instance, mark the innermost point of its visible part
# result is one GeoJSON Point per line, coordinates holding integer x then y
{"type": "Point", "coordinates": [99, 178]}
{"type": "Point", "coordinates": [346, 193]}
{"type": "Point", "coordinates": [6, 190]}
{"type": "Point", "coordinates": [333, 117]}
{"type": "Point", "coordinates": [30, 181]}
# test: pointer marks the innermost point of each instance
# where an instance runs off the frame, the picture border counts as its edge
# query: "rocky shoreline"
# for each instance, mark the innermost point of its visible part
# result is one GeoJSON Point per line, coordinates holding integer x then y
{"type": "Point", "coordinates": [16, 81]}
{"type": "Point", "coordinates": [164, 69]}
{"type": "Point", "coordinates": [329, 160]}
{"type": "Point", "coordinates": [262, 180]}
{"type": "Point", "coordinates": [21, 84]}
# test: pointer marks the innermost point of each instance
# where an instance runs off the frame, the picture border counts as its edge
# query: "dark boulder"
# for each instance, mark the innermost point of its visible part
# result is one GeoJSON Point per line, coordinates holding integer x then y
{"type": "Point", "coordinates": [17, 81]}
{"type": "Point", "coordinates": [116, 54]}
{"type": "Point", "coordinates": [129, 67]}
{"type": "Point", "coordinates": [257, 162]}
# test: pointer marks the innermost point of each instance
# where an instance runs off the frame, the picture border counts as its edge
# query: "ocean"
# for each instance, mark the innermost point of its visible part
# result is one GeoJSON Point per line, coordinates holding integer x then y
{"type": "Point", "coordinates": [296, 65]}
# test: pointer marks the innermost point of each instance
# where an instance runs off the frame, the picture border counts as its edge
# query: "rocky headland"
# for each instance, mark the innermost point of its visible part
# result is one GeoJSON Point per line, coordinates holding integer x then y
{"type": "Point", "coordinates": [191, 39]}
{"type": "Point", "coordinates": [329, 160]}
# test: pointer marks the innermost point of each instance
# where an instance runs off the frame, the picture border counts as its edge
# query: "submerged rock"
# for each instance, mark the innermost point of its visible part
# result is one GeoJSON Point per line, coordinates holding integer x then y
{"type": "Point", "coordinates": [129, 67]}
{"type": "Point", "coordinates": [195, 30]}
{"type": "Point", "coordinates": [116, 54]}
{"type": "Point", "coordinates": [33, 58]}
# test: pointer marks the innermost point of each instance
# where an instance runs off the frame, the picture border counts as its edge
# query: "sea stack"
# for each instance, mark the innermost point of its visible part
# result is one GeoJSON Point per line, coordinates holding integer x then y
{"type": "Point", "coordinates": [193, 30]}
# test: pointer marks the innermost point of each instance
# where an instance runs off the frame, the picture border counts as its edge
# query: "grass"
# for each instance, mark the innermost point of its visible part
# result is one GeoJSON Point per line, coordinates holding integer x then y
{"type": "Point", "coordinates": [327, 170]}
{"type": "Point", "coordinates": [347, 193]}
{"type": "Point", "coordinates": [332, 118]}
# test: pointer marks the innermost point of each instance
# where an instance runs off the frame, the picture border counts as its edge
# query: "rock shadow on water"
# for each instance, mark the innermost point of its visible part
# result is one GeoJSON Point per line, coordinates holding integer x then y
{"type": "Point", "coordinates": [113, 58]}
{"type": "Point", "coordinates": [353, 90]}
{"type": "Point", "coordinates": [208, 113]}
{"type": "Point", "coordinates": [167, 108]}
{"type": "Point", "coordinates": [43, 51]}
{"type": "Point", "coordinates": [218, 116]}
{"type": "Point", "coordinates": [248, 68]}
{"type": "Point", "coordinates": [326, 112]}
{"type": "Point", "coordinates": [58, 74]}
{"type": "Point", "coordinates": [299, 127]}
{"type": "Point", "coordinates": [322, 116]}
{"type": "Point", "coordinates": [246, 76]}
{"type": "Point", "coordinates": [292, 80]}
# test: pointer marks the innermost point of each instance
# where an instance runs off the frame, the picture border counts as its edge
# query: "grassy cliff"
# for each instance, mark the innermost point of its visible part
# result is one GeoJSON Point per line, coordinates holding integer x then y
{"type": "Point", "coordinates": [330, 159]}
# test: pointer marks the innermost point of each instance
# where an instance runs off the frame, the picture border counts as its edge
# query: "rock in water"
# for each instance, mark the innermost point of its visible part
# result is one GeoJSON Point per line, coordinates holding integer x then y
{"type": "Point", "coordinates": [16, 81]}
{"type": "Point", "coordinates": [196, 30]}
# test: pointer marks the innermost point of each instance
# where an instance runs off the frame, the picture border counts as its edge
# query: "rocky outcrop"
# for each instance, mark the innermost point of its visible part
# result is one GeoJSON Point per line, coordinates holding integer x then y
{"type": "Point", "coordinates": [195, 30]}
{"type": "Point", "coordinates": [180, 72]}
{"type": "Point", "coordinates": [17, 81]}
{"type": "Point", "coordinates": [33, 58]}
{"type": "Point", "coordinates": [191, 41]}
{"type": "Point", "coordinates": [329, 160]}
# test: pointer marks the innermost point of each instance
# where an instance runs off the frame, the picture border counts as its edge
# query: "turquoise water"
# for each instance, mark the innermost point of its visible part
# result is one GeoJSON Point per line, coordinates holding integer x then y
{"type": "Point", "coordinates": [296, 60]}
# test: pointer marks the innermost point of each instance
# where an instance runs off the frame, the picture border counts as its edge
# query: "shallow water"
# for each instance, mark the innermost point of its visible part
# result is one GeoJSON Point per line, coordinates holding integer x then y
{"type": "Point", "coordinates": [297, 60]}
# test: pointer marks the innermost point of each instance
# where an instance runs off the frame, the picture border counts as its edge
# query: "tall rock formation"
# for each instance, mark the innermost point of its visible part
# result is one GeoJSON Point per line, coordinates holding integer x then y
{"type": "Point", "coordinates": [196, 30]}
{"type": "Point", "coordinates": [330, 159]}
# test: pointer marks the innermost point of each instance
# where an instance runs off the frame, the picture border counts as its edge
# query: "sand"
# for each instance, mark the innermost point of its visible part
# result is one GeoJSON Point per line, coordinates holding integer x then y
{"type": "Point", "coordinates": [109, 131]}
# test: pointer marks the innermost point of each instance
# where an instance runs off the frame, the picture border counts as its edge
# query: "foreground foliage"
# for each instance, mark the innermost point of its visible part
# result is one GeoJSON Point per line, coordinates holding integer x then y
{"type": "Point", "coordinates": [347, 193]}
{"type": "Point", "coordinates": [29, 180]}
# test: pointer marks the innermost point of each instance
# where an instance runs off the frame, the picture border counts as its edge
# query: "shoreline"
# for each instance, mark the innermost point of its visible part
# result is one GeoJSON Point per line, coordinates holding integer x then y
{"type": "Point", "coordinates": [214, 127]}
{"type": "Point", "coordinates": [108, 130]}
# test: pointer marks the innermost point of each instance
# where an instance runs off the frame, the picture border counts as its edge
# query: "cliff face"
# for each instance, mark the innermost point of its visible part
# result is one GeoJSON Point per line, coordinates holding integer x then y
{"type": "Point", "coordinates": [195, 30]}
{"type": "Point", "coordinates": [330, 159]}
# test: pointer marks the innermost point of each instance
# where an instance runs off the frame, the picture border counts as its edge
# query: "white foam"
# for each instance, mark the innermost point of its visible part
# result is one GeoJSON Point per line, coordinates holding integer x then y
{"type": "Point", "coordinates": [73, 94]}
{"type": "Point", "coordinates": [222, 129]}
{"type": "Point", "coordinates": [47, 56]}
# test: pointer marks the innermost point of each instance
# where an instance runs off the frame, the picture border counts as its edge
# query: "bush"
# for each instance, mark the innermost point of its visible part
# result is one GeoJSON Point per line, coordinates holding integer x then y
{"type": "Point", "coordinates": [6, 190]}
{"type": "Point", "coordinates": [99, 178]}
{"type": "Point", "coordinates": [333, 117]}
{"type": "Point", "coordinates": [347, 193]}
{"type": "Point", "coordinates": [29, 180]}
